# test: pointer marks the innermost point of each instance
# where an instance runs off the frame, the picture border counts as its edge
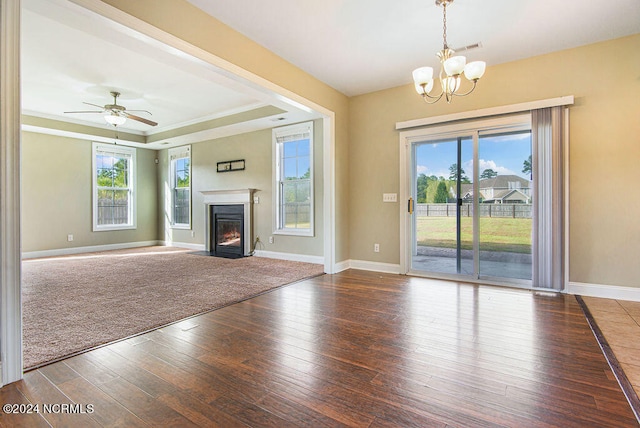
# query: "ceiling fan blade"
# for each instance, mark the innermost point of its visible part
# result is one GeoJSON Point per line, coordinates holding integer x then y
{"type": "Point", "coordinates": [140, 119]}
{"type": "Point", "coordinates": [145, 111]}
{"type": "Point", "coordinates": [85, 111]}
{"type": "Point", "coordinates": [94, 105]}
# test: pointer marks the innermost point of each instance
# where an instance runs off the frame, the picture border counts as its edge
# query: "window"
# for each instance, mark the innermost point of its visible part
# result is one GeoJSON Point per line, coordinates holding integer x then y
{"type": "Point", "coordinates": [293, 183]}
{"type": "Point", "coordinates": [113, 187]}
{"type": "Point", "coordinates": [180, 179]}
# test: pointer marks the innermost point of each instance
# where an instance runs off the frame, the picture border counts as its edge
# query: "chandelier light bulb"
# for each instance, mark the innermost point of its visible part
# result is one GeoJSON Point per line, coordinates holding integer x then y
{"type": "Point", "coordinates": [423, 79]}
{"type": "Point", "coordinates": [454, 65]}
{"type": "Point", "coordinates": [450, 84]}
{"type": "Point", "coordinates": [422, 75]}
{"type": "Point", "coordinates": [424, 88]}
{"type": "Point", "coordinates": [475, 70]}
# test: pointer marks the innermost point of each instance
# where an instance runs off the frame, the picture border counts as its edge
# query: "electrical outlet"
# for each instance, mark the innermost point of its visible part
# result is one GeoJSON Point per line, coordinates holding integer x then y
{"type": "Point", "coordinates": [69, 237]}
{"type": "Point", "coordinates": [271, 240]}
{"type": "Point", "coordinates": [376, 248]}
{"type": "Point", "coordinates": [193, 233]}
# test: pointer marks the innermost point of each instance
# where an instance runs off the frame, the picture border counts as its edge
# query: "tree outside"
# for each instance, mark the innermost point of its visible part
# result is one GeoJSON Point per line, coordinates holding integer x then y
{"type": "Point", "coordinates": [488, 173]}
{"type": "Point", "coordinates": [422, 184]}
{"type": "Point", "coordinates": [112, 174]}
{"type": "Point", "coordinates": [526, 167]}
{"type": "Point", "coordinates": [442, 195]}
{"type": "Point", "coordinates": [453, 174]}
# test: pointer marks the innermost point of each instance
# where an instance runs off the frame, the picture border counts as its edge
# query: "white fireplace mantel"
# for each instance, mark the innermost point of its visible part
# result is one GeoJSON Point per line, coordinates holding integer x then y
{"type": "Point", "coordinates": [223, 197]}
{"type": "Point", "coordinates": [230, 197]}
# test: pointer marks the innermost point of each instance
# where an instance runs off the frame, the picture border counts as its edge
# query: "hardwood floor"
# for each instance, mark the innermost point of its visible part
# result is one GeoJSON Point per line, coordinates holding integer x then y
{"type": "Point", "coordinates": [355, 349]}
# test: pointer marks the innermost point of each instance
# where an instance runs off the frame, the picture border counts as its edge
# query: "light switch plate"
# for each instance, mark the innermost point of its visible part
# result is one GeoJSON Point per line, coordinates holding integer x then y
{"type": "Point", "coordinates": [389, 197]}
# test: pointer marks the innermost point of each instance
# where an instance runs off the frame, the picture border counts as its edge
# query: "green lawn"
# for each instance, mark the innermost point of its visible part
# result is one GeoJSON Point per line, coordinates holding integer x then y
{"type": "Point", "coordinates": [496, 234]}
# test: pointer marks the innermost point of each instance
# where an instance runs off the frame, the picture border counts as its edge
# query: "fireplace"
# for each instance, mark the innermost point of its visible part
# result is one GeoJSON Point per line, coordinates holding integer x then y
{"type": "Point", "coordinates": [228, 222]}
{"type": "Point", "coordinates": [227, 231]}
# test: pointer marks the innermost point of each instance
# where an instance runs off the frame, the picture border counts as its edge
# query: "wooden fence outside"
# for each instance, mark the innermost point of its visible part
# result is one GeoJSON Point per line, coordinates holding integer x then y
{"type": "Point", "coordinates": [486, 210]}
{"type": "Point", "coordinates": [113, 212]}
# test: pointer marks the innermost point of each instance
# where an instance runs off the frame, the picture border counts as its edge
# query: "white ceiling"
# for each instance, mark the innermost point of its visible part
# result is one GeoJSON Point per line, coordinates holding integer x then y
{"type": "Point", "coordinates": [71, 55]}
{"type": "Point", "coordinates": [360, 46]}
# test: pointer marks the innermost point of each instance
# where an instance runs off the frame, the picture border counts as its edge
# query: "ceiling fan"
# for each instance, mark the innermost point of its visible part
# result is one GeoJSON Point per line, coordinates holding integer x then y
{"type": "Point", "coordinates": [116, 114]}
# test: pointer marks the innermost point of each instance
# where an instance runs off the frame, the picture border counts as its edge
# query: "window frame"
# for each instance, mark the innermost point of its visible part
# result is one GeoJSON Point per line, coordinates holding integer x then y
{"type": "Point", "coordinates": [476, 128]}
{"type": "Point", "coordinates": [174, 154]}
{"type": "Point", "coordinates": [129, 152]}
{"type": "Point", "coordinates": [278, 136]}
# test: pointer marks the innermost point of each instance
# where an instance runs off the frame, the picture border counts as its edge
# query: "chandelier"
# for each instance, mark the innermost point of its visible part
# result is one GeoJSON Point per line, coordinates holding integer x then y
{"type": "Point", "coordinates": [451, 68]}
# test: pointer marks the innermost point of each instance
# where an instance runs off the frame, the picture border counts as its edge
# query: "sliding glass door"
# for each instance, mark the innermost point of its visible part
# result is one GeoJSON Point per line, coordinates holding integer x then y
{"type": "Point", "coordinates": [505, 205]}
{"type": "Point", "coordinates": [443, 235]}
{"type": "Point", "coordinates": [470, 205]}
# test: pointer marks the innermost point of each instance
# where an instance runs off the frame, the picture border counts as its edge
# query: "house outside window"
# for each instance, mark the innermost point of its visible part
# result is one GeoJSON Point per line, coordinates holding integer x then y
{"type": "Point", "coordinates": [113, 187]}
{"type": "Point", "coordinates": [180, 180]}
{"type": "Point", "coordinates": [293, 180]}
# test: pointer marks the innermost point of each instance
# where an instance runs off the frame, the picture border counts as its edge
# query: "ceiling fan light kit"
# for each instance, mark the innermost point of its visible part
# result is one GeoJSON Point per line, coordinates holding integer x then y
{"type": "Point", "coordinates": [451, 69]}
{"type": "Point", "coordinates": [114, 119]}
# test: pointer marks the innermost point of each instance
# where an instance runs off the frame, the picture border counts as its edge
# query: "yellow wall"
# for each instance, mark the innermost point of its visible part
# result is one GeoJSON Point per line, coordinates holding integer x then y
{"type": "Point", "coordinates": [57, 196]}
{"type": "Point", "coordinates": [183, 20]}
{"type": "Point", "coordinates": [604, 153]}
{"type": "Point", "coordinates": [256, 149]}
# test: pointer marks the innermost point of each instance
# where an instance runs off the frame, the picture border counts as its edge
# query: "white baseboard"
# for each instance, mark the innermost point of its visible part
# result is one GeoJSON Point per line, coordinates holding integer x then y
{"type": "Point", "coordinates": [319, 260]}
{"type": "Point", "coordinates": [195, 247]}
{"type": "Point", "coordinates": [89, 249]}
{"type": "Point", "coordinates": [374, 266]}
{"type": "Point", "coordinates": [606, 291]}
{"type": "Point", "coordinates": [341, 266]}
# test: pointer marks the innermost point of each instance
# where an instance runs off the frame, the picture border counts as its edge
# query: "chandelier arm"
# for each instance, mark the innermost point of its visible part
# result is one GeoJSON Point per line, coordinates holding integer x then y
{"type": "Point", "coordinates": [475, 82]}
{"type": "Point", "coordinates": [426, 97]}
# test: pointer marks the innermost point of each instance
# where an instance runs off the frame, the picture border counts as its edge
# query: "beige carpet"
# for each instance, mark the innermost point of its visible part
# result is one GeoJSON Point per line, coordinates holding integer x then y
{"type": "Point", "coordinates": [73, 303]}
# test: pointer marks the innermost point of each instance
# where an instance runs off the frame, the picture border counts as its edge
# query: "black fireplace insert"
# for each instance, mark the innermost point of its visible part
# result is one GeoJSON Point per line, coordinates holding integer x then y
{"type": "Point", "coordinates": [227, 231]}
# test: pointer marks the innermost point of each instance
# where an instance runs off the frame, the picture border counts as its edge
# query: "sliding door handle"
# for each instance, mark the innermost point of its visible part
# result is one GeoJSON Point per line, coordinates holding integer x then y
{"type": "Point", "coordinates": [410, 206]}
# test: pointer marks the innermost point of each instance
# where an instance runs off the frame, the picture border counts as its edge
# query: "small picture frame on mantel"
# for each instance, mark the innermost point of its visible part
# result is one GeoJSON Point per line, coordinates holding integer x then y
{"type": "Point", "coordinates": [228, 166]}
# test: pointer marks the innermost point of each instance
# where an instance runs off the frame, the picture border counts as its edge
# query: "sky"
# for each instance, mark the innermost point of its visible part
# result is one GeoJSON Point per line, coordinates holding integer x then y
{"type": "Point", "coordinates": [504, 154]}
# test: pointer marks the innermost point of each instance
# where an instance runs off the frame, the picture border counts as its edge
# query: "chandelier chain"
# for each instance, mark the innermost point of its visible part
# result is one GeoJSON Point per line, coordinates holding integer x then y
{"type": "Point", "coordinates": [444, 24]}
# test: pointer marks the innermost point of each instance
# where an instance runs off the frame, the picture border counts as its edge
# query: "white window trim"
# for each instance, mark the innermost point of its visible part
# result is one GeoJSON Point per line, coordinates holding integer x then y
{"type": "Point", "coordinates": [306, 127]}
{"type": "Point", "coordinates": [97, 147]}
{"type": "Point", "coordinates": [486, 112]}
{"type": "Point", "coordinates": [174, 154]}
